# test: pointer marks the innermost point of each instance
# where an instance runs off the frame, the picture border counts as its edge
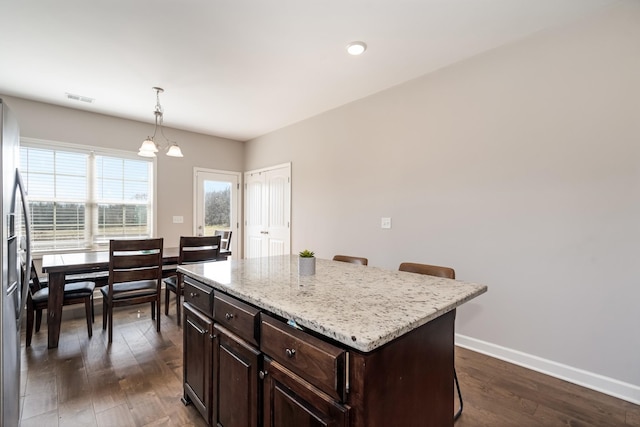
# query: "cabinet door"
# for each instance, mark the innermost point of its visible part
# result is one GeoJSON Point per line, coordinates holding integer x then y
{"type": "Point", "coordinates": [236, 365]}
{"type": "Point", "coordinates": [198, 332]}
{"type": "Point", "coordinates": [290, 401]}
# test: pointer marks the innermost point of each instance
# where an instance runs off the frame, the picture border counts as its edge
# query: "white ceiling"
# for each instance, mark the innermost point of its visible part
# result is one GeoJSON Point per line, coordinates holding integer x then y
{"type": "Point", "coordinates": [242, 68]}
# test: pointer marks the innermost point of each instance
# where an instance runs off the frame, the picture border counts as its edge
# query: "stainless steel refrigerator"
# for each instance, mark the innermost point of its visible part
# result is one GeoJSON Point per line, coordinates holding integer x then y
{"type": "Point", "coordinates": [15, 247]}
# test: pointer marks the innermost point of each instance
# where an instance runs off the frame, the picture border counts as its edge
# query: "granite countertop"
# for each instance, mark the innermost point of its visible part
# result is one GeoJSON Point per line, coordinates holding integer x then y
{"type": "Point", "coordinates": [362, 307]}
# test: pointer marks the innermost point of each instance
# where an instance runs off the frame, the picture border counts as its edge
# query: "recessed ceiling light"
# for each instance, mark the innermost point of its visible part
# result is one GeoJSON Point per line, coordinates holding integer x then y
{"type": "Point", "coordinates": [80, 98]}
{"type": "Point", "coordinates": [356, 48]}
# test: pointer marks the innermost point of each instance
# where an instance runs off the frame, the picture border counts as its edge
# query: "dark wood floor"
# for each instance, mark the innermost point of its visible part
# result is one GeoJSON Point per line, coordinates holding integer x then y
{"type": "Point", "coordinates": [137, 381]}
{"type": "Point", "coordinates": [496, 393]}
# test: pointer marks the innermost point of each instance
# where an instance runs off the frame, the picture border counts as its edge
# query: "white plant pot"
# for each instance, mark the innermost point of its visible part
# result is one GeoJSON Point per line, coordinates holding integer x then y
{"type": "Point", "coordinates": [306, 266]}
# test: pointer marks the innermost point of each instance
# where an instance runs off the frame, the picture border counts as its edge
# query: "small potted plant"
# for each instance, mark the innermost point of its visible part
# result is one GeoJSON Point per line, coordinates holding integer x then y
{"type": "Point", "coordinates": [306, 263]}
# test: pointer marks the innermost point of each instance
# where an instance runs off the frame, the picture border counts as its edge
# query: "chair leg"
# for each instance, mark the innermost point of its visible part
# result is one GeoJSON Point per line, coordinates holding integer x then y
{"type": "Point", "coordinates": [455, 379]}
{"type": "Point", "coordinates": [167, 294]}
{"type": "Point", "coordinates": [93, 311]}
{"type": "Point", "coordinates": [38, 319]}
{"type": "Point", "coordinates": [178, 307]}
{"type": "Point", "coordinates": [104, 313]}
{"type": "Point", "coordinates": [88, 308]}
{"type": "Point", "coordinates": [30, 313]}
{"type": "Point", "coordinates": [158, 317]}
{"type": "Point", "coordinates": [110, 328]}
{"type": "Point", "coordinates": [153, 310]}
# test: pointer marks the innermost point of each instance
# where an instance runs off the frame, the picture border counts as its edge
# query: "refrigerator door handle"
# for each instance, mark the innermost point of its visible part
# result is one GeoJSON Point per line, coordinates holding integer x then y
{"type": "Point", "coordinates": [19, 186]}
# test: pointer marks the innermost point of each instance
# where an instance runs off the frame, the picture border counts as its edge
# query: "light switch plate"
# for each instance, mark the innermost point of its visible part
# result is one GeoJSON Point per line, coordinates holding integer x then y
{"type": "Point", "coordinates": [178, 219]}
{"type": "Point", "coordinates": [385, 222]}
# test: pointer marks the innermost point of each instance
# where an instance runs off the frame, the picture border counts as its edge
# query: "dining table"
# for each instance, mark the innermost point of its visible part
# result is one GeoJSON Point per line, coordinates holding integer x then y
{"type": "Point", "coordinates": [88, 265]}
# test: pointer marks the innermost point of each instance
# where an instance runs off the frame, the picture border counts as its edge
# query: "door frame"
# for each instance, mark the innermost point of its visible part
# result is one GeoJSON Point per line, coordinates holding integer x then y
{"type": "Point", "coordinates": [237, 230]}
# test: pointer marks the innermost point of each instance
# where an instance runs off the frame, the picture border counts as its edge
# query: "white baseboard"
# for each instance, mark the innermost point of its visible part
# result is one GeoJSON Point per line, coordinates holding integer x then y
{"type": "Point", "coordinates": [597, 382]}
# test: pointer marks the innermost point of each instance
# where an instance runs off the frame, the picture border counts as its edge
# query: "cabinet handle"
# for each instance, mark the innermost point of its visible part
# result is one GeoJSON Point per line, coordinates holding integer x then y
{"type": "Point", "coordinates": [228, 316]}
{"type": "Point", "coordinates": [262, 374]}
{"type": "Point", "coordinates": [264, 232]}
{"type": "Point", "coordinates": [196, 327]}
{"type": "Point", "coordinates": [194, 294]}
{"type": "Point", "coordinates": [290, 352]}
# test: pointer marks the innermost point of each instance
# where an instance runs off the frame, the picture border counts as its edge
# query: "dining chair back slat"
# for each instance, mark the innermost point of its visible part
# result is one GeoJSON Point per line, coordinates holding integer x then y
{"type": "Point", "coordinates": [135, 260]}
{"type": "Point", "coordinates": [131, 275]}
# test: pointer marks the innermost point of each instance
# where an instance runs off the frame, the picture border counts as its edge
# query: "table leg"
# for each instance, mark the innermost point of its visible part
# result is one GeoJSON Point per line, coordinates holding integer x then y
{"type": "Point", "coordinates": [54, 308]}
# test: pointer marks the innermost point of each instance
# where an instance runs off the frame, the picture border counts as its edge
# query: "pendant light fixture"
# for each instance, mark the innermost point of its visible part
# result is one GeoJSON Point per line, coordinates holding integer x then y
{"type": "Point", "coordinates": [150, 147]}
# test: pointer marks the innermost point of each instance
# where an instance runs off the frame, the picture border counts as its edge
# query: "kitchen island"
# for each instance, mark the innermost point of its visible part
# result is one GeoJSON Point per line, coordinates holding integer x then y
{"type": "Point", "coordinates": [349, 346]}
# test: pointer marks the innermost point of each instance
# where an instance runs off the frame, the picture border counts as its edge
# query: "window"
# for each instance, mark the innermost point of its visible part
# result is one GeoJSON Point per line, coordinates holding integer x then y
{"type": "Point", "coordinates": [80, 198]}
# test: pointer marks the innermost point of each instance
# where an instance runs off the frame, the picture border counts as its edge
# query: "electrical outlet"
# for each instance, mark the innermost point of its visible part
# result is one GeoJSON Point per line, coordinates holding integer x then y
{"type": "Point", "coordinates": [178, 219]}
{"type": "Point", "coordinates": [385, 222]}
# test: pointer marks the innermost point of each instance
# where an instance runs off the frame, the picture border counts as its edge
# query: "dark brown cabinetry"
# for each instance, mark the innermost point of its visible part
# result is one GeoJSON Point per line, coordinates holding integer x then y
{"type": "Point", "coordinates": [198, 345]}
{"type": "Point", "coordinates": [197, 351]}
{"type": "Point", "coordinates": [244, 367]}
{"type": "Point", "coordinates": [236, 364]}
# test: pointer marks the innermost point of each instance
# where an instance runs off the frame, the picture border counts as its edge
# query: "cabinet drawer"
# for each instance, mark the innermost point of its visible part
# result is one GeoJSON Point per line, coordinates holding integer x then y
{"type": "Point", "coordinates": [242, 319]}
{"type": "Point", "coordinates": [287, 396]}
{"type": "Point", "coordinates": [198, 295]}
{"type": "Point", "coordinates": [318, 362]}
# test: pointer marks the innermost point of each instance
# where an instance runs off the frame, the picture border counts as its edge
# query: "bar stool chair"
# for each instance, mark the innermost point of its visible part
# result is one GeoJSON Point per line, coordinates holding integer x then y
{"type": "Point", "coordinates": [351, 259]}
{"type": "Point", "coordinates": [437, 271]}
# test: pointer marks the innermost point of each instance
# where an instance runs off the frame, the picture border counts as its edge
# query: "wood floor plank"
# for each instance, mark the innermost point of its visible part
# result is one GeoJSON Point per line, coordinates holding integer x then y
{"type": "Point", "coordinates": [107, 396]}
{"type": "Point", "coordinates": [39, 382]}
{"type": "Point", "coordinates": [118, 416]}
{"type": "Point", "coordinates": [49, 419]}
{"type": "Point", "coordinates": [77, 413]}
{"type": "Point", "coordinates": [38, 404]}
{"type": "Point", "coordinates": [147, 409]}
{"type": "Point", "coordinates": [633, 417]}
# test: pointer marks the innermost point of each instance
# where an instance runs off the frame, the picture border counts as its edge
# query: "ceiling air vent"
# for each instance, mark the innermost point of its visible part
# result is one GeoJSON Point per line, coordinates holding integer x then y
{"type": "Point", "coordinates": [80, 98]}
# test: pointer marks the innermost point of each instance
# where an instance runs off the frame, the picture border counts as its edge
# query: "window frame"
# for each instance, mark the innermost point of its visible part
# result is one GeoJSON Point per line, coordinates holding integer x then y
{"type": "Point", "coordinates": [91, 214]}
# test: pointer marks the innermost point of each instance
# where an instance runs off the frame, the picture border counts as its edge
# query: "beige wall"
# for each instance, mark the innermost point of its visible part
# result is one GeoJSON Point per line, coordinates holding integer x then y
{"type": "Point", "coordinates": [520, 168]}
{"type": "Point", "coordinates": [174, 175]}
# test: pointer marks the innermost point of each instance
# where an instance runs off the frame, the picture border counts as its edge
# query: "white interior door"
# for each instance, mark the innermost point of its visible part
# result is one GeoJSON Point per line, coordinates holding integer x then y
{"type": "Point", "coordinates": [217, 204]}
{"type": "Point", "coordinates": [268, 211]}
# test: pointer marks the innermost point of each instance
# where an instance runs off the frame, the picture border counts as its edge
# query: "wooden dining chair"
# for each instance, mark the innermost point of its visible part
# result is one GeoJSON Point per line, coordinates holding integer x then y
{"type": "Point", "coordinates": [351, 259]}
{"type": "Point", "coordinates": [135, 277]}
{"type": "Point", "coordinates": [225, 238]}
{"type": "Point", "coordinates": [38, 297]}
{"type": "Point", "coordinates": [447, 273]}
{"type": "Point", "coordinates": [193, 249]}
